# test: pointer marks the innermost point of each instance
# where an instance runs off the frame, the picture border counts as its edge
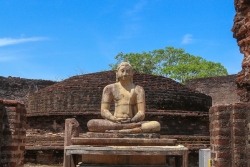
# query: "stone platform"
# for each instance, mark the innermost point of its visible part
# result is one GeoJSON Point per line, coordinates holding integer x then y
{"type": "Point", "coordinates": [122, 149]}
{"type": "Point", "coordinates": [119, 149]}
{"type": "Point", "coordinates": [130, 155]}
{"type": "Point", "coordinates": [106, 139]}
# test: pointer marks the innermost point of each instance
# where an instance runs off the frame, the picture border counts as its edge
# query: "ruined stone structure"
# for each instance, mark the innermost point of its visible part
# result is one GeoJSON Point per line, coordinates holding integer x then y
{"type": "Point", "coordinates": [229, 129]}
{"type": "Point", "coordinates": [229, 123]}
{"type": "Point", "coordinates": [12, 133]}
{"type": "Point", "coordinates": [77, 96]}
{"type": "Point", "coordinates": [15, 88]}
{"type": "Point", "coordinates": [242, 34]}
{"type": "Point", "coordinates": [222, 89]}
{"type": "Point", "coordinates": [182, 112]}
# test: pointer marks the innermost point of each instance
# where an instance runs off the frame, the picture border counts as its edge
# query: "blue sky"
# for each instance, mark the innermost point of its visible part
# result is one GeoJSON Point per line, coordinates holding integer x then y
{"type": "Point", "coordinates": [56, 39]}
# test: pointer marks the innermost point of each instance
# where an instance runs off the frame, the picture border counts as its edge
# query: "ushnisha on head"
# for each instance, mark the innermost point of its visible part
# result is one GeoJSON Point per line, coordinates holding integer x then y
{"type": "Point", "coordinates": [121, 67]}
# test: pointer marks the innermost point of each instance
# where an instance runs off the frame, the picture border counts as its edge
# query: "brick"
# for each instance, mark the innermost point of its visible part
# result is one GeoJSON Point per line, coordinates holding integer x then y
{"type": "Point", "coordinates": [239, 124]}
{"type": "Point", "coordinates": [9, 148]}
{"type": "Point", "coordinates": [221, 164]}
{"type": "Point", "coordinates": [213, 155]}
{"type": "Point", "coordinates": [223, 148]}
{"type": "Point", "coordinates": [238, 132]}
{"type": "Point", "coordinates": [221, 141]}
{"type": "Point", "coordinates": [9, 164]}
{"type": "Point", "coordinates": [10, 102]}
{"type": "Point", "coordinates": [241, 115]}
{"type": "Point", "coordinates": [221, 132]}
{"type": "Point", "coordinates": [224, 155]}
{"type": "Point", "coordinates": [239, 141]}
{"type": "Point", "coordinates": [22, 148]}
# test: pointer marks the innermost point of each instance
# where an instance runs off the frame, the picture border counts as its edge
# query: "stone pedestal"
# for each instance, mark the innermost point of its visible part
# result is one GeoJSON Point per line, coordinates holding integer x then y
{"type": "Point", "coordinates": [118, 149]}
{"type": "Point", "coordinates": [117, 139]}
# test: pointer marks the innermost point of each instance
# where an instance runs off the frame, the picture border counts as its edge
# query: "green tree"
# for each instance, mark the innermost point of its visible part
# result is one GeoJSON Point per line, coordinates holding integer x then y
{"type": "Point", "coordinates": [172, 63]}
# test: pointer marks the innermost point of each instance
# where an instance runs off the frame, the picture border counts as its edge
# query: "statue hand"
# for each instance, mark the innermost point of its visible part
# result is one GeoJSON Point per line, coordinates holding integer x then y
{"type": "Point", "coordinates": [124, 120]}
{"type": "Point", "coordinates": [114, 119]}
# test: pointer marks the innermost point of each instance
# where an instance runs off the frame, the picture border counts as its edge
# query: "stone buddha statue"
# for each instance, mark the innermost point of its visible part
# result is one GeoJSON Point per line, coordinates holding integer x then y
{"type": "Point", "coordinates": [130, 105]}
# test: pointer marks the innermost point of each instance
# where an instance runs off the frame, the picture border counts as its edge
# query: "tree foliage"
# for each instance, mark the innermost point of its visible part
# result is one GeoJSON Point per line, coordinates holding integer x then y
{"type": "Point", "coordinates": [172, 63]}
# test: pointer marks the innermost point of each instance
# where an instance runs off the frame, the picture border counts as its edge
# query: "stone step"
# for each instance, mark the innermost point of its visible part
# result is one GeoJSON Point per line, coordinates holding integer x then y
{"type": "Point", "coordinates": [122, 142]}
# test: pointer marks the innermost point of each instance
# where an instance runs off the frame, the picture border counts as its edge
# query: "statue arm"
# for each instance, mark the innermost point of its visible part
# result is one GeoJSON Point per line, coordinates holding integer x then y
{"type": "Point", "coordinates": [140, 115]}
{"type": "Point", "coordinates": [106, 114]}
{"type": "Point", "coordinates": [107, 98]}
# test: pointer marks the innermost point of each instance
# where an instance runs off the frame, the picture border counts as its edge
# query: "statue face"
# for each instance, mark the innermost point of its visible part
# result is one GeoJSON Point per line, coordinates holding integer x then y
{"type": "Point", "coordinates": [125, 73]}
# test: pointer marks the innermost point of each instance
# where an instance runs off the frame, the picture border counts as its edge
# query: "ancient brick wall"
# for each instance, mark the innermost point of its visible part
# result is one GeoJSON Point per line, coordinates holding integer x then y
{"type": "Point", "coordinates": [229, 135]}
{"type": "Point", "coordinates": [15, 88]}
{"type": "Point", "coordinates": [82, 94]}
{"type": "Point", "coordinates": [13, 133]}
{"type": "Point", "coordinates": [181, 111]}
{"type": "Point", "coordinates": [46, 138]}
{"type": "Point", "coordinates": [222, 89]}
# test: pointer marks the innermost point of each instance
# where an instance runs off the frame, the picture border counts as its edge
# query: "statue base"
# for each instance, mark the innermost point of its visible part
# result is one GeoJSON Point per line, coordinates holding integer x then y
{"type": "Point", "coordinates": [124, 159]}
{"type": "Point", "coordinates": [118, 139]}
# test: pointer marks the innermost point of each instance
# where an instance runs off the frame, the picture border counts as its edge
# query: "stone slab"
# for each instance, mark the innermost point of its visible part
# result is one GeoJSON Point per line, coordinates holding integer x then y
{"type": "Point", "coordinates": [123, 142]}
{"type": "Point", "coordinates": [126, 150]}
{"type": "Point", "coordinates": [120, 135]}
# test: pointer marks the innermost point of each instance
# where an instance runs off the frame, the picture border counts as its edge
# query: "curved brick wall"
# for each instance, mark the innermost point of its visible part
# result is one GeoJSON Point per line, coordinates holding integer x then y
{"type": "Point", "coordinates": [82, 94]}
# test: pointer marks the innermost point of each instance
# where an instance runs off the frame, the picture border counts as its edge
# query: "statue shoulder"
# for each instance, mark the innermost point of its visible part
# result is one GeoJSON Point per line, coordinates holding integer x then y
{"type": "Point", "coordinates": [109, 89]}
{"type": "Point", "coordinates": [139, 90]}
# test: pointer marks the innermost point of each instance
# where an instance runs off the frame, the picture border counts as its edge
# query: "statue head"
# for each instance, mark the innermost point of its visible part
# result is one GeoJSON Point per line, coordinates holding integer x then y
{"type": "Point", "coordinates": [121, 67]}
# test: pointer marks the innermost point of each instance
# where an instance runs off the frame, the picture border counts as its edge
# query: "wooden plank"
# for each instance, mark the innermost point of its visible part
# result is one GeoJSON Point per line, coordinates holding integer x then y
{"type": "Point", "coordinates": [123, 141]}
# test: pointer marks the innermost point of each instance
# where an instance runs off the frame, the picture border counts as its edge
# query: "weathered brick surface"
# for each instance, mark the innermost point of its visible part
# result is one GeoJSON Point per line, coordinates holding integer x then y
{"type": "Point", "coordinates": [241, 33]}
{"type": "Point", "coordinates": [81, 94]}
{"type": "Point", "coordinates": [15, 88]}
{"type": "Point", "coordinates": [229, 131]}
{"type": "Point", "coordinates": [222, 89]}
{"type": "Point", "coordinates": [180, 110]}
{"type": "Point", "coordinates": [13, 133]}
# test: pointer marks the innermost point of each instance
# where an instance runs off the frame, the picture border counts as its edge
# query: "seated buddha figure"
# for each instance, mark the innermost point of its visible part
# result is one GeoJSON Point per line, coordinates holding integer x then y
{"type": "Point", "coordinates": [129, 100]}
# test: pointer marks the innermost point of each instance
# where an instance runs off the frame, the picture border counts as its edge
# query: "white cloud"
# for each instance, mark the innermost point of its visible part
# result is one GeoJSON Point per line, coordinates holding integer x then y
{"type": "Point", "coordinates": [11, 41]}
{"type": "Point", "coordinates": [187, 39]}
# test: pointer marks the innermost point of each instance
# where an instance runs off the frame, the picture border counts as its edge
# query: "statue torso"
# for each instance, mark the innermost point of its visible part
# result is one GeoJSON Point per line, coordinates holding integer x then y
{"type": "Point", "coordinates": [125, 99]}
